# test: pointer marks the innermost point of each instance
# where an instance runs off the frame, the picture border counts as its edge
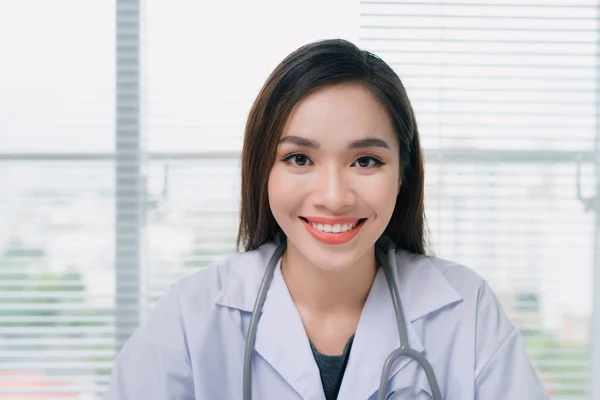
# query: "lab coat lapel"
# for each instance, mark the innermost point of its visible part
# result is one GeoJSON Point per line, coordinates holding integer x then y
{"type": "Point", "coordinates": [376, 337]}
{"type": "Point", "coordinates": [423, 290]}
{"type": "Point", "coordinates": [282, 341]}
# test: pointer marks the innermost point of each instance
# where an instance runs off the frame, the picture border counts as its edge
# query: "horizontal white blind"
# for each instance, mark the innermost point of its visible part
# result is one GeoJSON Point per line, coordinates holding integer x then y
{"type": "Point", "coordinates": [190, 228]}
{"type": "Point", "coordinates": [56, 215]}
{"type": "Point", "coordinates": [505, 94]}
{"type": "Point", "coordinates": [56, 279]}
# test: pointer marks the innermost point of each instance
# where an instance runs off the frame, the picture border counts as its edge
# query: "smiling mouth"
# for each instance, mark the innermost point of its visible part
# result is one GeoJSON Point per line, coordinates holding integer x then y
{"type": "Point", "coordinates": [334, 234]}
{"type": "Point", "coordinates": [334, 228]}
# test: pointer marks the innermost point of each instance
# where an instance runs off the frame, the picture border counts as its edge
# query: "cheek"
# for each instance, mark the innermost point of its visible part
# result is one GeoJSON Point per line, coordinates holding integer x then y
{"type": "Point", "coordinates": [282, 191]}
{"type": "Point", "coordinates": [279, 180]}
{"type": "Point", "coordinates": [380, 193]}
{"type": "Point", "coordinates": [383, 200]}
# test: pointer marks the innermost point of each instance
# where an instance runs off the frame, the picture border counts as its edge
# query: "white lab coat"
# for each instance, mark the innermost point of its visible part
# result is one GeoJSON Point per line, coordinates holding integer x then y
{"type": "Point", "coordinates": [192, 346]}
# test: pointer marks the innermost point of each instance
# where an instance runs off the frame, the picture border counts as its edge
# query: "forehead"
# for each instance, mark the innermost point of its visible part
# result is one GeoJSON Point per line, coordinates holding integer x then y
{"type": "Point", "coordinates": [340, 113]}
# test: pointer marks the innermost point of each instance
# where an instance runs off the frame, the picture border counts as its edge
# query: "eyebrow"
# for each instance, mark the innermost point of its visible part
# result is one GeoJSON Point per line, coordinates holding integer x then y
{"type": "Point", "coordinates": [369, 142]}
{"type": "Point", "coordinates": [356, 144]}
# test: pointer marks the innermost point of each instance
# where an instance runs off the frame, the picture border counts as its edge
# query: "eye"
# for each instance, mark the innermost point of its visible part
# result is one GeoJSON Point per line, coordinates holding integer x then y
{"type": "Point", "coordinates": [297, 160]}
{"type": "Point", "coordinates": [367, 162]}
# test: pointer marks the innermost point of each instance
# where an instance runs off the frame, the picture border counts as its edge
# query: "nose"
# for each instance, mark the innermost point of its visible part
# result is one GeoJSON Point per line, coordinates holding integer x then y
{"type": "Point", "coordinates": [334, 190]}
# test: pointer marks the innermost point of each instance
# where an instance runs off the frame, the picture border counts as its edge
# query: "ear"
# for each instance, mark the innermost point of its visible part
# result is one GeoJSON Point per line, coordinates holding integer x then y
{"type": "Point", "coordinates": [399, 185]}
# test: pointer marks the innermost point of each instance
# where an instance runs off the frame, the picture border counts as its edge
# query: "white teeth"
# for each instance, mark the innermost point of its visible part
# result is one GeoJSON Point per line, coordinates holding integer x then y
{"type": "Point", "coordinates": [336, 228]}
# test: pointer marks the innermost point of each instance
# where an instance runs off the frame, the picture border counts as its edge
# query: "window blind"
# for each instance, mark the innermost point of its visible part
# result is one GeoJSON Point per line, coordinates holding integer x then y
{"type": "Point", "coordinates": [57, 201]}
{"type": "Point", "coordinates": [506, 96]}
{"type": "Point", "coordinates": [56, 257]}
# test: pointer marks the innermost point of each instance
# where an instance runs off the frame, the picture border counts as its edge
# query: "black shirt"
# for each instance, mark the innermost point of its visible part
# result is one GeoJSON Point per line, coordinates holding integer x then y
{"type": "Point", "coordinates": [331, 369]}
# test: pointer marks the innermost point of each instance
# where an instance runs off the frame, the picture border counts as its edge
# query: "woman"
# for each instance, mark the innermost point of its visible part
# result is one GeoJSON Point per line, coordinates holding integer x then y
{"type": "Point", "coordinates": [331, 169]}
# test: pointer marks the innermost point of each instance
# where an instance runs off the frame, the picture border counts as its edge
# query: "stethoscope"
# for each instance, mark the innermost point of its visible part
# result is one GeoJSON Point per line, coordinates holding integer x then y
{"type": "Point", "coordinates": [389, 268]}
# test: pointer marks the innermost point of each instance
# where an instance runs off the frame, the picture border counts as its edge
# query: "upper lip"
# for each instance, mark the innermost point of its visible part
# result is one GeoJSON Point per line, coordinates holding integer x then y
{"type": "Point", "coordinates": [333, 221]}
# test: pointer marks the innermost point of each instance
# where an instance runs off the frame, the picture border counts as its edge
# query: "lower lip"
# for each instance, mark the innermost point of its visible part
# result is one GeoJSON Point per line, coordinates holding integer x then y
{"type": "Point", "coordinates": [330, 237]}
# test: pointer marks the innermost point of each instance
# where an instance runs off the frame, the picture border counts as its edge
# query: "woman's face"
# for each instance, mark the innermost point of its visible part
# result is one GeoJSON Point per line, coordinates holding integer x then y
{"type": "Point", "coordinates": [333, 186]}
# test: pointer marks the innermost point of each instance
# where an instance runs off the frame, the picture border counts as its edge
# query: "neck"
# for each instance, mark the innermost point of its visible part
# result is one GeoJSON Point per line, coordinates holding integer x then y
{"type": "Point", "coordinates": [324, 291]}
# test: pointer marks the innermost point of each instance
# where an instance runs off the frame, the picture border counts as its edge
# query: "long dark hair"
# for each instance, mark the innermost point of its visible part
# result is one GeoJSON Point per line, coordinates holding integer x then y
{"type": "Point", "coordinates": [306, 70]}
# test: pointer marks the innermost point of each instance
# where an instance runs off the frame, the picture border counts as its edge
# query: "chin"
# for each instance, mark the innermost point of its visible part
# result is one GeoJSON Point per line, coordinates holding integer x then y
{"type": "Point", "coordinates": [330, 258]}
{"type": "Point", "coordinates": [329, 265]}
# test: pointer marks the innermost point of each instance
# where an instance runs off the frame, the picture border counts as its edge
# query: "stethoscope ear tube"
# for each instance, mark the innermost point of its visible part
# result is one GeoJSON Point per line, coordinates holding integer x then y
{"type": "Point", "coordinates": [390, 268]}
{"type": "Point", "coordinates": [258, 305]}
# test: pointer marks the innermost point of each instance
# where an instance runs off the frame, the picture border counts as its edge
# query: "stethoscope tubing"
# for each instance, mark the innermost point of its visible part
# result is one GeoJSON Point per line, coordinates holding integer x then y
{"type": "Point", "coordinates": [389, 267]}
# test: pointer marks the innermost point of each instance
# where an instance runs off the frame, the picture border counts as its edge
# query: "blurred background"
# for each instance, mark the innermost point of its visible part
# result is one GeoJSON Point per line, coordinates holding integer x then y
{"type": "Point", "coordinates": [121, 124]}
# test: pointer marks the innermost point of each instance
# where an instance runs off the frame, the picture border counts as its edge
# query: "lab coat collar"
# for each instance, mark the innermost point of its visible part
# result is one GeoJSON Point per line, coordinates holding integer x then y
{"type": "Point", "coordinates": [281, 339]}
{"type": "Point", "coordinates": [423, 290]}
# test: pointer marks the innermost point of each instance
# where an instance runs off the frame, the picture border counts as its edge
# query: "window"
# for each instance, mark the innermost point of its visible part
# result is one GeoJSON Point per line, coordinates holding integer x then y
{"type": "Point", "coordinates": [122, 176]}
{"type": "Point", "coordinates": [57, 200]}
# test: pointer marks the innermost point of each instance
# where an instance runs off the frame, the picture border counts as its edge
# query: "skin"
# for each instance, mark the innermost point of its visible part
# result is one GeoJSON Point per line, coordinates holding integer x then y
{"type": "Point", "coordinates": [318, 173]}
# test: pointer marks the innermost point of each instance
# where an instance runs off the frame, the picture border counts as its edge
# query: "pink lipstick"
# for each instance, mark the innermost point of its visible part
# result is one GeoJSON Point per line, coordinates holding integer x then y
{"type": "Point", "coordinates": [333, 230]}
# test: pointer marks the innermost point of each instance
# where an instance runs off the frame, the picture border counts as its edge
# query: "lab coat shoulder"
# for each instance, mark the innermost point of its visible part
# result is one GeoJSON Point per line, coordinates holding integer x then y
{"type": "Point", "coordinates": [502, 369]}
{"type": "Point", "coordinates": [491, 325]}
{"type": "Point", "coordinates": [155, 362]}
{"type": "Point", "coordinates": [503, 366]}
